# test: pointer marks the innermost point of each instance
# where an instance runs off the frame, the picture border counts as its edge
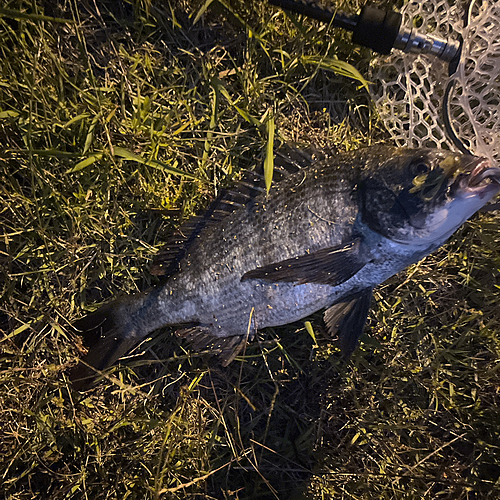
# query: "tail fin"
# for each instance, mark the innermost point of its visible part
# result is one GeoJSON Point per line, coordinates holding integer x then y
{"type": "Point", "coordinates": [107, 340]}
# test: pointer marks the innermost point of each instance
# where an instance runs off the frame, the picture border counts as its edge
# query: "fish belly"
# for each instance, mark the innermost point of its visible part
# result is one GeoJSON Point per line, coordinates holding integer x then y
{"type": "Point", "coordinates": [243, 306]}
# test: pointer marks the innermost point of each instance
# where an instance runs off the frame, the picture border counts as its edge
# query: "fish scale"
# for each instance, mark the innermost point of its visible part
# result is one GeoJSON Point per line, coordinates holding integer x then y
{"type": "Point", "coordinates": [323, 237]}
{"type": "Point", "coordinates": [261, 234]}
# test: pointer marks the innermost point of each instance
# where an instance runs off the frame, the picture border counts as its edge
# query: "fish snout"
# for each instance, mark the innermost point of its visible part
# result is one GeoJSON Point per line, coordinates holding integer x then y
{"type": "Point", "coordinates": [483, 173]}
{"type": "Point", "coordinates": [480, 178]}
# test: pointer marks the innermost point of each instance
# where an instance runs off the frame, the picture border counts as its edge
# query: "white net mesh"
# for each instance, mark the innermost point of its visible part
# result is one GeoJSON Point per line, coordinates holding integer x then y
{"type": "Point", "coordinates": [409, 89]}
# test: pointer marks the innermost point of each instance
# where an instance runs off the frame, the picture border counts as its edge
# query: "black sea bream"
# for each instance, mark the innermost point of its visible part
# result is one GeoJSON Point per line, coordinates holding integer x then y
{"type": "Point", "coordinates": [321, 239]}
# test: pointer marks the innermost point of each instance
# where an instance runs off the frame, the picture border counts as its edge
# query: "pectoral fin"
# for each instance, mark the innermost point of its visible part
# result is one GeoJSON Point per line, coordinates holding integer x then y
{"type": "Point", "coordinates": [328, 266]}
{"type": "Point", "coordinates": [347, 319]}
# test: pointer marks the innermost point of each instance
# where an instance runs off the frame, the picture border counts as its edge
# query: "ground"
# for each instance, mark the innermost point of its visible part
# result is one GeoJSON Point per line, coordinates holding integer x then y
{"type": "Point", "coordinates": [117, 121]}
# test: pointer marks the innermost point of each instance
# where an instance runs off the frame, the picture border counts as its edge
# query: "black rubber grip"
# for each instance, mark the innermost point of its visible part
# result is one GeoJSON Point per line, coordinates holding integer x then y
{"type": "Point", "coordinates": [377, 29]}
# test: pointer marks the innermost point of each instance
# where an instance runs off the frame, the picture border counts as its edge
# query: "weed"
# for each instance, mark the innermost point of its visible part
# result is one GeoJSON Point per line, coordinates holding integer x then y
{"type": "Point", "coordinates": [117, 121]}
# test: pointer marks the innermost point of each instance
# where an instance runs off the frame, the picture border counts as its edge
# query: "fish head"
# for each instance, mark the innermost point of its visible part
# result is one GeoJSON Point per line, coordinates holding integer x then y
{"type": "Point", "coordinates": [420, 197]}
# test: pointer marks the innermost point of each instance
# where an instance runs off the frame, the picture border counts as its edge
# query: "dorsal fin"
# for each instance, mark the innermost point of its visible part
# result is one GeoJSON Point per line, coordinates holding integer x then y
{"type": "Point", "coordinates": [166, 261]}
{"type": "Point", "coordinates": [288, 161]}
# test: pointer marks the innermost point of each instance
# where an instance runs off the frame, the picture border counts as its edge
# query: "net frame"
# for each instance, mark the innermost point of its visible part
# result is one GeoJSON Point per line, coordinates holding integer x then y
{"type": "Point", "coordinates": [412, 91]}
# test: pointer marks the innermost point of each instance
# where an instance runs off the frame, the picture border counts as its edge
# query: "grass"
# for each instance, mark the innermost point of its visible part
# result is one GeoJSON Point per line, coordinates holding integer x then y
{"type": "Point", "coordinates": [117, 121]}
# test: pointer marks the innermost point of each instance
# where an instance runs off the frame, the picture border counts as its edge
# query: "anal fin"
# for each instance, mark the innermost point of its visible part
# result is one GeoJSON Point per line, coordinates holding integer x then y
{"type": "Point", "coordinates": [224, 348]}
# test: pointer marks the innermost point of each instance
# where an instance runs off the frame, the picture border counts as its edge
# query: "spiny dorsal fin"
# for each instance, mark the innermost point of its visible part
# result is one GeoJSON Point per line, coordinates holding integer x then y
{"type": "Point", "coordinates": [288, 161]}
{"type": "Point", "coordinates": [166, 261]}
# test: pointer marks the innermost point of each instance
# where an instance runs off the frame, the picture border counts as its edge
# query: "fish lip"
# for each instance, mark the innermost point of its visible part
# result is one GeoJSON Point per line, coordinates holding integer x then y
{"type": "Point", "coordinates": [483, 171]}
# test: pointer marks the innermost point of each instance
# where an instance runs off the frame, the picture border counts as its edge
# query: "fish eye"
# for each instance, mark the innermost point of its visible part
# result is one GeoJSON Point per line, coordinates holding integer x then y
{"type": "Point", "coordinates": [420, 167]}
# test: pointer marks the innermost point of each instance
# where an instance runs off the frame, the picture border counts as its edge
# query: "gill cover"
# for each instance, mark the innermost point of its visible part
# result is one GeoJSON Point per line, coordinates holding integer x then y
{"type": "Point", "coordinates": [399, 201]}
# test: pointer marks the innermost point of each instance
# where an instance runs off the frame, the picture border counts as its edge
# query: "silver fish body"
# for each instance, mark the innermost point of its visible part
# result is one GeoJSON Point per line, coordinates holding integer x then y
{"type": "Point", "coordinates": [322, 238]}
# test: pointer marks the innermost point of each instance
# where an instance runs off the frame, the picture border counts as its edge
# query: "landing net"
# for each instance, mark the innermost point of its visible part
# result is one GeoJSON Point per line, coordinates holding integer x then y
{"type": "Point", "coordinates": [410, 90]}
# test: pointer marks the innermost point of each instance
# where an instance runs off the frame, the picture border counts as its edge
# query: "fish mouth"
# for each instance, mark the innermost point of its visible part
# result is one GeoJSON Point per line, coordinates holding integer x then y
{"type": "Point", "coordinates": [482, 175]}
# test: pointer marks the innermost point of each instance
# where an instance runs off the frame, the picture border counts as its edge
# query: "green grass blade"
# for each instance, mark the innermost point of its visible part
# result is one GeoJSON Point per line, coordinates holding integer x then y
{"type": "Point", "coordinates": [85, 163]}
{"type": "Point", "coordinates": [8, 114]}
{"type": "Point", "coordinates": [127, 155]}
{"type": "Point", "coordinates": [202, 10]}
{"type": "Point", "coordinates": [16, 14]}
{"type": "Point", "coordinates": [269, 159]}
{"type": "Point", "coordinates": [76, 119]}
{"type": "Point", "coordinates": [310, 331]}
{"type": "Point", "coordinates": [339, 67]}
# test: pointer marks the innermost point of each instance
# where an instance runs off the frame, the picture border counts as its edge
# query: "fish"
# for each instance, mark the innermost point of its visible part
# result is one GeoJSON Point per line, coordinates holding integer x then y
{"type": "Point", "coordinates": [321, 239]}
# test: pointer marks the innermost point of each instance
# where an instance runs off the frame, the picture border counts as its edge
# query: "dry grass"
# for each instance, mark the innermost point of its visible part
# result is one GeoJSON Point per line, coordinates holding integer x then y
{"type": "Point", "coordinates": [119, 119]}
